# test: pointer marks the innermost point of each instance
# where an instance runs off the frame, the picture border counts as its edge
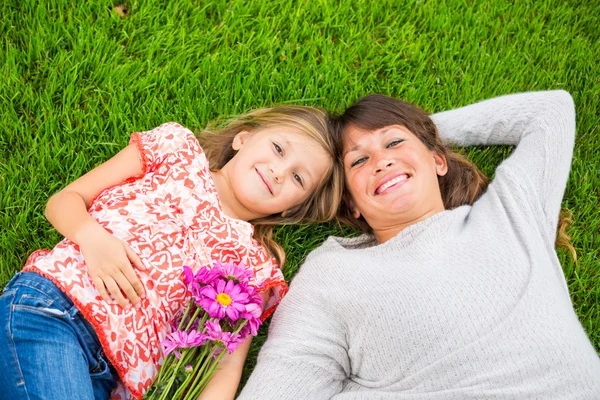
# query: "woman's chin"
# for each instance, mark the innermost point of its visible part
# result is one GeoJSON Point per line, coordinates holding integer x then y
{"type": "Point", "coordinates": [399, 210]}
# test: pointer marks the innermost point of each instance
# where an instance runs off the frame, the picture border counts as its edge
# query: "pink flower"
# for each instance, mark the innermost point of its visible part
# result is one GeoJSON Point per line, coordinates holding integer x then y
{"type": "Point", "coordinates": [230, 271]}
{"type": "Point", "coordinates": [204, 276]}
{"type": "Point", "coordinates": [189, 275]}
{"type": "Point", "coordinates": [224, 298]}
{"type": "Point", "coordinates": [228, 340]}
{"type": "Point", "coordinates": [252, 314]}
{"type": "Point", "coordinates": [180, 340]}
{"type": "Point", "coordinates": [253, 310]}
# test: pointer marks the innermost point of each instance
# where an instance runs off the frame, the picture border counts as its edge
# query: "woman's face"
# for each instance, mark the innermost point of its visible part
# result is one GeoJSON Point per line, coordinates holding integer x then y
{"type": "Point", "coordinates": [392, 178]}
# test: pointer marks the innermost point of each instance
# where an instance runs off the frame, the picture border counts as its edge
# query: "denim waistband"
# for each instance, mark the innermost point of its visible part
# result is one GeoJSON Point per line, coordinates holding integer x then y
{"type": "Point", "coordinates": [44, 285]}
{"type": "Point", "coordinates": [35, 281]}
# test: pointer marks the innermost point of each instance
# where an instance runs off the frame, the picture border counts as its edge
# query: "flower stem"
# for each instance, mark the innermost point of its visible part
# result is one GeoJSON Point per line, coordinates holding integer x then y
{"type": "Point", "coordinates": [198, 387]}
{"type": "Point", "coordinates": [186, 385]}
{"type": "Point", "coordinates": [187, 311]}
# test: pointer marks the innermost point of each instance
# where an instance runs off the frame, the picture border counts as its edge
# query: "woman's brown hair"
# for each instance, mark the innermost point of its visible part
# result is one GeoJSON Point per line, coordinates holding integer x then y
{"type": "Point", "coordinates": [463, 184]}
{"type": "Point", "coordinates": [322, 204]}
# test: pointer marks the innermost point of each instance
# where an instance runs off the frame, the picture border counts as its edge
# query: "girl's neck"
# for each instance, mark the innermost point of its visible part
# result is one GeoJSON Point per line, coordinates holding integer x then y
{"type": "Point", "coordinates": [230, 206]}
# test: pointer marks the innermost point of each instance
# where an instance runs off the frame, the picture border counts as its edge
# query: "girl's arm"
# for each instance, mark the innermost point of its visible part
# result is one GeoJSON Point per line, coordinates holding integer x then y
{"type": "Point", "coordinates": [542, 127]}
{"type": "Point", "coordinates": [224, 383]}
{"type": "Point", "coordinates": [108, 259]}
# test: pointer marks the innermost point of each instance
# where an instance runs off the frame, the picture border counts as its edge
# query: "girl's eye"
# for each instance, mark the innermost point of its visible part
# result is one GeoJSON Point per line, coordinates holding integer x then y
{"type": "Point", "coordinates": [278, 148]}
{"type": "Point", "coordinates": [298, 178]}
{"type": "Point", "coordinates": [359, 161]}
{"type": "Point", "coordinates": [393, 143]}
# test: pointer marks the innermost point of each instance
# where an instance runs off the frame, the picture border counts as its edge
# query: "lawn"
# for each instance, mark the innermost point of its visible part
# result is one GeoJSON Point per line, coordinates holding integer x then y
{"type": "Point", "coordinates": [78, 78]}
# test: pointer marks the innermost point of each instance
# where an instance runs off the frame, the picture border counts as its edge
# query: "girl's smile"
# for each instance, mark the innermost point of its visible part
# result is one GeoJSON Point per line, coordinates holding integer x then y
{"type": "Point", "coordinates": [274, 170]}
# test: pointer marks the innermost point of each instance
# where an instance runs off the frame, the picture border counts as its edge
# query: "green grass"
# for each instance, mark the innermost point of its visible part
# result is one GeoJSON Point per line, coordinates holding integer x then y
{"type": "Point", "coordinates": [76, 79]}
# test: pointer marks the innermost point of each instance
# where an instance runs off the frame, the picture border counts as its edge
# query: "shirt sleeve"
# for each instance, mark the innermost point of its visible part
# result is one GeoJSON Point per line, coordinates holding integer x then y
{"type": "Point", "coordinates": [542, 127]}
{"type": "Point", "coordinates": [267, 277]}
{"type": "Point", "coordinates": [158, 144]}
{"type": "Point", "coordinates": [306, 353]}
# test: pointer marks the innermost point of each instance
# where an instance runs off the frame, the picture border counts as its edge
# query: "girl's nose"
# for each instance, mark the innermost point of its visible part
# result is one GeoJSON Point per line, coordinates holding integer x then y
{"type": "Point", "coordinates": [277, 176]}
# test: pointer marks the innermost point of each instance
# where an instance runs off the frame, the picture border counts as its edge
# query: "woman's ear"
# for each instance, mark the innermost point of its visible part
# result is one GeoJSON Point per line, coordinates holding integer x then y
{"type": "Point", "coordinates": [350, 203]}
{"type": "Point", "coordinates": [240, 139]}
{"type": "Point", "coordinates": [441, 165]}
{"type": "Point", "coordinates": [355, 212]}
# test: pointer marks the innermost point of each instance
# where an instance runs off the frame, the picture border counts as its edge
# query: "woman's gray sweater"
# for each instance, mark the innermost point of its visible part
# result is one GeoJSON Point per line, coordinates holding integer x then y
{"type": "Point", "coordinates": [470, 303]}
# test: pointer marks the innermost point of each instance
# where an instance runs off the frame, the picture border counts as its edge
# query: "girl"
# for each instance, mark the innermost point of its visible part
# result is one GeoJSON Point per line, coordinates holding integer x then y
{"type": "Point", "coordinates": [86, 318]}
{"type": "Point", "coordinates": [455, 290]}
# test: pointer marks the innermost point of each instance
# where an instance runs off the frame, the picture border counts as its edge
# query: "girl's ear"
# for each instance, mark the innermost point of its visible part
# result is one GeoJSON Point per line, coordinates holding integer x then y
{"type": "Point", "coordinates": [441, 165]}
{"type": "Point", "coordinates": [240, 139]}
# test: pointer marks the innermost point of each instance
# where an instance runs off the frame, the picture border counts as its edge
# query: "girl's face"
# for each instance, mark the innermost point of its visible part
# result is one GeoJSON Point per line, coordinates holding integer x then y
{"type": "Point", "coordinates": [392, 178]}
{"type": "Point", "coordinates": [275, 169]}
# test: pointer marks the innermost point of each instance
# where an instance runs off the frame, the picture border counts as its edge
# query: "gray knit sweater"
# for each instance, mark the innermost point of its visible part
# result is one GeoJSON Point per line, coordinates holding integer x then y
{"type": "Point", "coordinates": [468, 304]}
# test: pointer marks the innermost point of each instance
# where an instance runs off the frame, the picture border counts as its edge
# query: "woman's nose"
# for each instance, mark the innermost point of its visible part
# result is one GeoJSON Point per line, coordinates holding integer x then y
{"type": "Point", "coordinates": [383, 163]}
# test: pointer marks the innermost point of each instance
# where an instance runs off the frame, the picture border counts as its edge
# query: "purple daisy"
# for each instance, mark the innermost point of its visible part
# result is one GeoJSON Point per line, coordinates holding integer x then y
{"type": "Point", "coordinates": [180, 340]}
{"type": "Point", "coordinates": [230, 271]}
{"type": "Point", "coordinates": [229, 340]}
{"type": "Point", "coordinates": [252, 314]}
{"type": "Point", "coordinates": [204, 276]}
{"type": "Point", "coordinates": [224, 298]}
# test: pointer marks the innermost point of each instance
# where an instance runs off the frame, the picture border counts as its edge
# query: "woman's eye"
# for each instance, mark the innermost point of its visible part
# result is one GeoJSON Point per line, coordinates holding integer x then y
{"type": "Point", "coordinates": [393, 143]}
{"type": "Point", "coordinates": [359, 161]}
{"type": "Point", "coordinates": [298, 178]}
{"type": "Point", "coordinates": [278, 148]}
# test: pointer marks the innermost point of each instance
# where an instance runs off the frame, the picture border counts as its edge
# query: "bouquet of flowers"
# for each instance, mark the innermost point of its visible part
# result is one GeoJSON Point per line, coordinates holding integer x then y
{"type": "Point", "coordinates": [223, 311]}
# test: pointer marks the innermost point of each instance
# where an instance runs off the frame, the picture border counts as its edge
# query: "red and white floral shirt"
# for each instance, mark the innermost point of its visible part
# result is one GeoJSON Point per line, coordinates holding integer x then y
{"type": "Point", "coordinates": [171, 216]}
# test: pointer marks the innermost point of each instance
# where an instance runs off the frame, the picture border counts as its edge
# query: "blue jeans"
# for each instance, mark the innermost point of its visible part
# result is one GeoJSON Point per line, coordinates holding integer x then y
{"type": "Point", "coordinates": [47, 348]}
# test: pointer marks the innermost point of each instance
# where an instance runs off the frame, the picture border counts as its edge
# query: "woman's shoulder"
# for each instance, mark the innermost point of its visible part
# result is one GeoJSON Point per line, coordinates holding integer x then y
{"type": "Point", "coordinates": [330, 258]}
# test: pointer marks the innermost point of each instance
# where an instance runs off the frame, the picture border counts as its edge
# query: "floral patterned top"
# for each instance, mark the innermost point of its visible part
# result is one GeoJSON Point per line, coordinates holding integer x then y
{"type": "Point", "coordinates": [170, 216]}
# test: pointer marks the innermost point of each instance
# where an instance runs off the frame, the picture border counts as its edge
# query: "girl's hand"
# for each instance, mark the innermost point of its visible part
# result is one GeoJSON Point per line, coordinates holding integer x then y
{"type": "Point", "coordinates": [109, 261]}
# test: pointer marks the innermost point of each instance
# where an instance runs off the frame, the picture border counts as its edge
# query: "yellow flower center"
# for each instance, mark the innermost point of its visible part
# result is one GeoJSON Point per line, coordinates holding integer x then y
{"type": "Point", "coordinates": [223, 299]}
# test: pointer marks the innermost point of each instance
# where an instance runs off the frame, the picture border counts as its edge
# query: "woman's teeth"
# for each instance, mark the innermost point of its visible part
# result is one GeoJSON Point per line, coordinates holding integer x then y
{"type": "Point", "coordinates": [391, 183]}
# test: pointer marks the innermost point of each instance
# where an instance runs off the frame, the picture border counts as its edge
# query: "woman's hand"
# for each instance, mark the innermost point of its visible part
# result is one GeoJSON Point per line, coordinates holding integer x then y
{"type": "Point", "coordinates": [110, 264]}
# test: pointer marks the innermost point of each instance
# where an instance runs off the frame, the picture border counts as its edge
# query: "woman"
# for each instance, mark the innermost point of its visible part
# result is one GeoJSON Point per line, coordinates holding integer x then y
{"type": "Point", "coordinates": [455, 290]}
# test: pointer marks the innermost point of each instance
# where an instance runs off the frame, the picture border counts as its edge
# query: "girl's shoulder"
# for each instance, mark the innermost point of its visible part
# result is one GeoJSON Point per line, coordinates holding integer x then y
{"type": "Point", "coordinates": [170, 139]}
{"type": "Point", "coordinates": [170, 135]}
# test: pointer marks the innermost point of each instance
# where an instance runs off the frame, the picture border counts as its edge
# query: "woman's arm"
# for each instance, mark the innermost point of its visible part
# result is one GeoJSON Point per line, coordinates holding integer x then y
{"type": "Point", "coordinates": [542, 127]}
{"type": "Point", "coordinates": [306, 354]}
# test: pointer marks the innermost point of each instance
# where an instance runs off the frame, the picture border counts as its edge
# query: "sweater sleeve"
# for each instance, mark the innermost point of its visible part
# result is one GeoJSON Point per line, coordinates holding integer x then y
{"type": "Point", "coordinates": [542, 127]}
{"type": "Point", "coordinates": [305, 355]}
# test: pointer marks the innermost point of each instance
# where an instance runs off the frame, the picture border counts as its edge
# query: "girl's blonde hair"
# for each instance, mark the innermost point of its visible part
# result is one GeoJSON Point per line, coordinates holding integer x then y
{"type": "Point", "coordinates": [323, 202]}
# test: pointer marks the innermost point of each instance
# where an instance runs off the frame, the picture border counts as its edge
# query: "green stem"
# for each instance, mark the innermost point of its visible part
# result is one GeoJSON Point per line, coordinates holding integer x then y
{"type": "Point", "coordinates": [187, 311]}
{"type": "Point", "coordinates": [240, 327]}
{"type": "Point", "coordinates": [192, 376]}
{"type": "Point", "coordinates": [174, 375]}
{"type": "Point", "coordinates": [198, 309]}
{"type": "Point", "coordinates": [198, 387]}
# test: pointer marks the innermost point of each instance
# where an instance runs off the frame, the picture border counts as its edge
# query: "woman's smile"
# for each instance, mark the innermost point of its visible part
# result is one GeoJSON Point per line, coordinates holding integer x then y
{"type": "Point", "coordinates": [391, 182]}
